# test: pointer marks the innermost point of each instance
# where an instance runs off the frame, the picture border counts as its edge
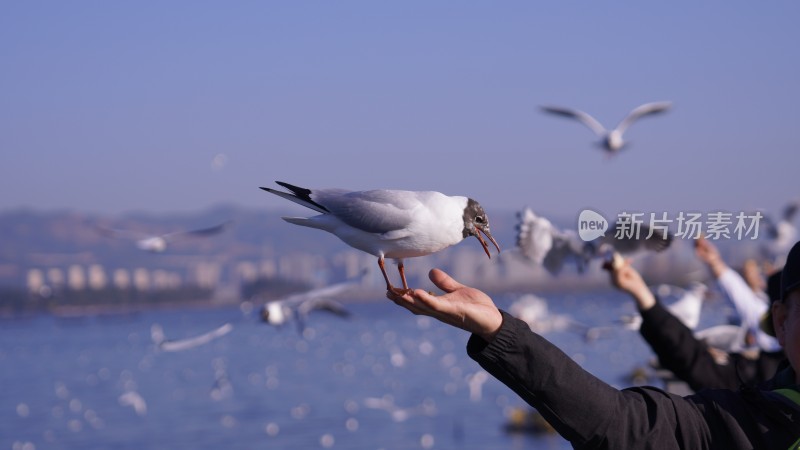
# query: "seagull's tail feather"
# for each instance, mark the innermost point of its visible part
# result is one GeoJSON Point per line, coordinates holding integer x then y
{"type": "Point", "coordinates": [301, 196]}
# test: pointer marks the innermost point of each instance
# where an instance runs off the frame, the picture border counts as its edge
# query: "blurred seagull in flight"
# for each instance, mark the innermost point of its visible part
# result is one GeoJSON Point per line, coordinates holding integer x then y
{"type": "Point", "coordinates": [541, 242]}
{"type": "Point", "coordinates": [159, 243]}
{"type": "Point", "coordinates": [299, 306]}
{"type": "Point", "coordinates": [610, 140]}
{"type": "Point", "coordinates": [544, 244]}
{"type": "Point", "coordinates": [689, 304]}
{"type": "Point", "coordinates": [391, 223]}
{"type": "Point", "coordinates": [780, 235]}
{"type": "Point", "coordinates": [135, 401]}
{"type": "Point", "coordinates": [686, 308]}
{"type": "Point", "coordinates": [178, 345]}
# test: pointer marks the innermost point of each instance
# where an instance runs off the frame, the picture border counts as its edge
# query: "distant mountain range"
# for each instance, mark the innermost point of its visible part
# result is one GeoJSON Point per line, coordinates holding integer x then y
{"type": "Point", "coordinates": [259, 239]}
{"type": "Point", "coordinates": [31, 239]}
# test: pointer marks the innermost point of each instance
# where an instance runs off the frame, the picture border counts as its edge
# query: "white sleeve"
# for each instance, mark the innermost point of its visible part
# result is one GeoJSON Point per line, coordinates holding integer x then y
{"type": "Point", "coordinates": [748, 304]}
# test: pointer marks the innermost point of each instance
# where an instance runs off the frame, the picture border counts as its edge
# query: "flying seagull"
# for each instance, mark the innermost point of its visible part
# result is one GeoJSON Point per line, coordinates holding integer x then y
{"type": "Point", "coordinates": [158, 243]}
{"type": "Point", "coordinates": [299, 306]}
{"type": "Point", "coordinates": [610, 140]}
{"type": "Point", "coordinates": [687, 306]}
{"type": "Point", "coordinates": [391, 223]}
{"type": "Point", "coordinates": [541, 242]}
{"type": "Point", "coordinates": [780, 235]}
{"type": "Point", "coordinates": [178, 345]}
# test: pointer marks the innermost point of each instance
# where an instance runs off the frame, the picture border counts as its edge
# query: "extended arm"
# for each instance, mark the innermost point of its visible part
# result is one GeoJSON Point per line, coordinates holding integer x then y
{"type": "Point", "coordinates": [749, 306]}
{"type": "Point", "coordinates": [582, 408]}
{"type": "Point", "coordinates": [676, 347]}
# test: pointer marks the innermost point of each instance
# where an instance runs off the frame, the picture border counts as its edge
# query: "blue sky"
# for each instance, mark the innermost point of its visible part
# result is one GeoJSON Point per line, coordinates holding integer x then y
{"type": "Point", "coordinates": [110, 107]}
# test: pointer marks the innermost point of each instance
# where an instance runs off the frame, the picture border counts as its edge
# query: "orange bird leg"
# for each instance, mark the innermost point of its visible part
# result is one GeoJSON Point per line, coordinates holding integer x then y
{"type": "Point", "coordinates": [401, 268]}
{"type": "Point", "coordinates": [389, 286]}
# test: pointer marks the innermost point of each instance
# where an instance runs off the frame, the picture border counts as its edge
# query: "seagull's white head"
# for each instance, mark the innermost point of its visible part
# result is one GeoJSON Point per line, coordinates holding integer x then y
{"type": "Point", "coordinates": [475, 223]}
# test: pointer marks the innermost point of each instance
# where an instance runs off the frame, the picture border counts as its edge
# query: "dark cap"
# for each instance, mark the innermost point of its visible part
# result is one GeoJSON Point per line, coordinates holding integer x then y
{"type": "Point", "coordinates": [778, 290]}
{"type": "Point", "coordinates": [790, 280]}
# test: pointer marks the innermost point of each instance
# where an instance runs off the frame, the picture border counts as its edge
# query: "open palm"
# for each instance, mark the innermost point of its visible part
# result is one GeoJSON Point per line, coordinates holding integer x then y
{"type": "Point", "coordinates": [460, 306]}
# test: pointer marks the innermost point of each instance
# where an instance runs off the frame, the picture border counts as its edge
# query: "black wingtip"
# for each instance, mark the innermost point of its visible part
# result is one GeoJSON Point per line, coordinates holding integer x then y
{"type": "Point", "coordinates": [297, 190]}
{"type": "Point", "coordinates": [263, 188]}
{"type": "Point", "coordinates": [301, 193]}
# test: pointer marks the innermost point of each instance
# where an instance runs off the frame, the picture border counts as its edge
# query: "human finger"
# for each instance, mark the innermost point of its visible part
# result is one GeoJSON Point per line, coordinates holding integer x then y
{"type": "Point", "coordinates": [444, 281]}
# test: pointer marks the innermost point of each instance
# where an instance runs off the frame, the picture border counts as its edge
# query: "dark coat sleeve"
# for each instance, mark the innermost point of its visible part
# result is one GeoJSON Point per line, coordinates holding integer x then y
{"type": "Point", "coordinates": [583, 409]}
{"type": "Point", "coordinates": [682, 353]}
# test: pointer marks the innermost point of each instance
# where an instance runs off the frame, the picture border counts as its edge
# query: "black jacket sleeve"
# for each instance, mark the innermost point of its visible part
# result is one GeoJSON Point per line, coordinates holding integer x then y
{"type": "Point", "coordinates": [583, 409]}
{"type": "Point", "coordinates": [682, 353]}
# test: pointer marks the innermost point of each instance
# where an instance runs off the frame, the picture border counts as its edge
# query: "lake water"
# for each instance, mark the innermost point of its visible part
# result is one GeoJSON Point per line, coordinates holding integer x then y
{"type": "Point", "coordinates": [383, 378]}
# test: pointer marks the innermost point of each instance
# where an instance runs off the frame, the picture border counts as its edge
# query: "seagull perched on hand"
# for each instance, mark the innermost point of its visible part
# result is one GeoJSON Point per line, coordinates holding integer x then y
{"type": "Point", "coordinates": [610, 140]}
{"type": "Point", "coordinates": [159, 243]}
{"type": "Point", "coordinates": [391, 223]}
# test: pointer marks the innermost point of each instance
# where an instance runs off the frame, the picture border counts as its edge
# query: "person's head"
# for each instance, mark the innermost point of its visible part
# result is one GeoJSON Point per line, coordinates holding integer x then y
{"type": "Point", "coordinates": [786, 311]}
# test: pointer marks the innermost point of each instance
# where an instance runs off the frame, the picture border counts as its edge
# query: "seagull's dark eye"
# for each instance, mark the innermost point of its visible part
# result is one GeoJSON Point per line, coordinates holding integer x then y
{"type": "Point", "coordinates": [479, 219]}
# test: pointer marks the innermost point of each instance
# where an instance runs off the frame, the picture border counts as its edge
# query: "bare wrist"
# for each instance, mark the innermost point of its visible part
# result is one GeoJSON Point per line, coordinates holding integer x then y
{"type": "Point", "coordinates": [492, 328]}
{"type": "Point", "coordinates": [717, 266]}
{"type": "Point", "coordinates": [645, 300]}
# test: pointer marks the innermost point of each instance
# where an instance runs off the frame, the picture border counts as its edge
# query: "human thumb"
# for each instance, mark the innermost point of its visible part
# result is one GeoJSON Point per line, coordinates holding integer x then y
{"type": "Point", "coordinates": [444, 281]}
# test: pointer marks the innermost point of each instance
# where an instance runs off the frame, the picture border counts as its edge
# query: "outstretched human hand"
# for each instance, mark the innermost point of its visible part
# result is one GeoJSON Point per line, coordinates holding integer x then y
{"type": "Point", "coordinates": [460, 306]}
{"type": "Point", "coordinates": [627, 279]}
{"type": "Point", "coordinates": [708, 253]}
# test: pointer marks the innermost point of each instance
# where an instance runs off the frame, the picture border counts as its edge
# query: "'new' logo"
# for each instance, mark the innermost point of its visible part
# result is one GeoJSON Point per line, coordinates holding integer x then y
{"type": "Point", "coordinates": [591, 225]}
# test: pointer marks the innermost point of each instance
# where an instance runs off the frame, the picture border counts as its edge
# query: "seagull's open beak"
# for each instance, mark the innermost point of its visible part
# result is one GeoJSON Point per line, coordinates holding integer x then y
{"type": "Point", "coordinates": [483, 243]}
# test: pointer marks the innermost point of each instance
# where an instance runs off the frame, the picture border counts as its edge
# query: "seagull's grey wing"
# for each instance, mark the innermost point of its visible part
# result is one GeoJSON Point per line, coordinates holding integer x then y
{"type": "Point", "coordinates": [185, 344]}
{"type": "Point", "coordinates": [211, 230]}
{"type": "Point", "coordinates": [323, 292]}
{"type": "Point", "coordinates": [130, 235]}
{"type": "Point", "coordinates": [295, 299]}
{"type": "Point", "coordinates": [659, 241]}
{"type": "Point", "coordinates": [641, 111]}
{"type": "Point", "coordinates": [555, 258]}
{"type": "Point", "coordinates": [586, 119]}
{"type": "Point", "coordinates": [314, 304]}
{"type": "Point", "coordinates": [534, 235]}
{"type": "Point", "coordinates": [376, 211]}
{"type": "Point", "coordinates": [334, 289]}
{"type": "Point", "coordinates": [323, 305]}
{"type": "Point", "coordinates": [563, 249]}
{"type": "Point", "coordinates": [203, 232]}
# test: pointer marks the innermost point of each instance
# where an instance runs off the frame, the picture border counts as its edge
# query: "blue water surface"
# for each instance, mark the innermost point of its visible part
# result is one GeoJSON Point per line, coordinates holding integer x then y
{"type": "Point", "coordinates": [381, 379]}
